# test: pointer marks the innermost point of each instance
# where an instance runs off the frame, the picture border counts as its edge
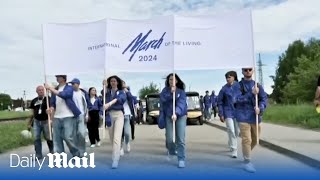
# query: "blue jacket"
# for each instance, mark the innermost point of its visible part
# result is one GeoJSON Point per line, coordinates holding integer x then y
{"type": "Point", "coordinates": [207, 101]}
{"type": "Point", "coordinates": [97, 105]}
{"type": "Point", "coordinates": [227, 99]}
{"type": "Point", "coordinates": [67, 95]}
{"type": "Point", "coordinates": [121, 97]}
{"type": "Point", "coordinates": [166, 102]}
{"type": "Point", "coordinates": [245, 102]}
{"type": "Point", "coordinates": [214, 100]}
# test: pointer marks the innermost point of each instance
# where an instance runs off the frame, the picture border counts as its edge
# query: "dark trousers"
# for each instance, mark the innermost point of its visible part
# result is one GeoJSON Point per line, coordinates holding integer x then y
{"type": "Point", "coordinates": [93, 126]}
{"type": "Point", "coordinates": [132, 124]}
{"type": "Point", "coordinates": [214, 109]}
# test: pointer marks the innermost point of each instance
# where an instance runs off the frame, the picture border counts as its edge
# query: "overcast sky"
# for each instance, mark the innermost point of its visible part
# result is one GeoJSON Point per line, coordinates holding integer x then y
{"type": "Point", "coordinates": [276, 23]}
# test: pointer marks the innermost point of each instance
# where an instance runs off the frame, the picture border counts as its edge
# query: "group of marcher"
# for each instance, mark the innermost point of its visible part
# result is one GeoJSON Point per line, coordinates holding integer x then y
{"type": "Point", "coordinates": [72, 110]}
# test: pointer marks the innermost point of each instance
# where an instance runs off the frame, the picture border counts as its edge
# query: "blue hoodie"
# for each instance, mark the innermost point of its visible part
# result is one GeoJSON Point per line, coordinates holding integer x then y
{"type": "Point", "coordinates": [121, 97]}
{"type": "Point", "coordinates": [166, 102]}
{"type": "Point", "coordinates": [67, 95]}
{"type": "Point", "coordinates": [245, 102]}
{"type": "Point", "coordinates": [207, 101]}
{"type": "Point", "coordinates": [227, 99]}
{"type": "Point", "coordinates": [97, 105]}
{"type": "Point", "coordinates": [214, 99]}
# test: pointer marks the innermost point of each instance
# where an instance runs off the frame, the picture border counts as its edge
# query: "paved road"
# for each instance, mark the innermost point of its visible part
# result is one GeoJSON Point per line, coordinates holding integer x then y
{"type": "Point", "coordinates": [207, 156]}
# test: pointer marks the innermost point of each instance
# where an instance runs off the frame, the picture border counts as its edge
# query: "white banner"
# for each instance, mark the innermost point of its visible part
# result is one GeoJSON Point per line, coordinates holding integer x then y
{"type": "Point", "coordinates": [74, 48]}
{"type": "Point", "coordinates": [139, 46]}
{"type": "Point", "coordinates": [213, 42]}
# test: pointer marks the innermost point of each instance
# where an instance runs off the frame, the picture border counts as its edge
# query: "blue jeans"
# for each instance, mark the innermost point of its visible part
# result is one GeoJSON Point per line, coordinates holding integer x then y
{"type": "Point", "coordinates": [38, 127]}
{"type": "Point", "coordinates": [80, 138]}
{"type": "Point", "coordinates": [65, 129]}
{"type": "Point", "coordinates": [179, 145]}
{"type": "Point", "coordinates": [207, 113]}
{"type": "Point", "coordinates": [127, 129]}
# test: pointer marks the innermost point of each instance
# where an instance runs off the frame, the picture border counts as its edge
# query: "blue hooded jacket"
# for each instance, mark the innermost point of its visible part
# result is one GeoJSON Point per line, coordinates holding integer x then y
{"type": "Point", "coordinates": [227, 99]}
{"type": "Point", "coordinates": [214, 99]}
{"type": "Point", "coordinates": [245, 102]}
{"type": "Point", "coordinates": [121, 97]}
{"type": "Point", "coordinates": [97, 105]}
{"type": "Point", "coordinates": [166, 102]}
{"type": "Point", "coordinates": [207, 101]}
{"type": "Point", "coordinates": [67, 95]}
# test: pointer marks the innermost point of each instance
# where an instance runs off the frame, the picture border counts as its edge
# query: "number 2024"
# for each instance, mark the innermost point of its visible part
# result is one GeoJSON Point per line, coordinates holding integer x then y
{"type": "Point", "coordinates": [148, 58]}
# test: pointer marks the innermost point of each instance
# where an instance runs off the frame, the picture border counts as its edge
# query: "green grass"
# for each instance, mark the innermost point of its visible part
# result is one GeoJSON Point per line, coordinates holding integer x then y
{"type": "Point", "coordinates": [303, 115]}
{"type": "Point", "coordinates": [14, 115]}
{"type": "Point", "coordinates": [10, 137]}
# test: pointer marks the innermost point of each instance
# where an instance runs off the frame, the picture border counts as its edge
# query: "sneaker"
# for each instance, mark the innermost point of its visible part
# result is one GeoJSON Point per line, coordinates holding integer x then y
{"type": "Point", "coordinates": [115, 164]}
{"type": "Point", "coordinates": [121, 152]}
{"type": "Point", "coordinates": [169, 157]}
{"type": "Point", "coordinates": [249, 167]}
{"type": "Point", "coordinates": [93, 145]}
{"type": "Point", "coordinates": [181, 164]}
{"type": "Point", "coordinates": [99, 143]}
{"type": "Point", "coordinates": [234, 153]}
{"type": "Point", "coordinates": [128, 147]}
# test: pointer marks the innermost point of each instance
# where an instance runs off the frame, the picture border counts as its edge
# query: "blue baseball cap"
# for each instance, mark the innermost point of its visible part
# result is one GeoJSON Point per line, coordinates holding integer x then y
{"type": "Point", "coordinates": [75, 81]}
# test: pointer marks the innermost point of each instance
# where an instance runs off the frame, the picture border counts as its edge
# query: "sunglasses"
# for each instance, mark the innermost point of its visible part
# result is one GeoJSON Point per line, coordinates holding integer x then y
{"type": "Point", "coordinates": [247, 70]}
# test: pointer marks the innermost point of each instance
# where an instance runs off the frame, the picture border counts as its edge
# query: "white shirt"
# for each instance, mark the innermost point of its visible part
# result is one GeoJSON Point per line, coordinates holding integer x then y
{"type": "Point", "coordinates": [92, 100]}
{"type": "Point", "coordinates": [62, 110]}
{"type": "Point", "coordinates": [126, 108]}
{"type": "Point", "coordinates": [78, 100]}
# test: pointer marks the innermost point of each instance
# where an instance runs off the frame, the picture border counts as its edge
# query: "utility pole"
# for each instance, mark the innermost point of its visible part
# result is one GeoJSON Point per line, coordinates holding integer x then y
{"type": "Point", "coordinates": [260, 73]}
{"type": "Point", "coordinates": [24, 100]}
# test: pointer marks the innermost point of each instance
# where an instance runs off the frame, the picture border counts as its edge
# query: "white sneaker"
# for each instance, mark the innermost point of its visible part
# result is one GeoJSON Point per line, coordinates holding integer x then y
{"type": "Point", "coordinates": [99, 143]}
{"type": "Point", "coordinates": [234, 153]}
{"type": "Point", "coordinates": [181, 164]}
{"type": "Point", "coordinates": [249, 167]}
{"type": "Point", "coordinates": [169, 157]}
{"type": "Point", "coordinates": [115, 164]}
{"type": "Point", "coordinates": [121, 152]}
{"type": "Point", "coordinates": [128, 147]}
{"type": "Point", "coordinates": [93, 145]}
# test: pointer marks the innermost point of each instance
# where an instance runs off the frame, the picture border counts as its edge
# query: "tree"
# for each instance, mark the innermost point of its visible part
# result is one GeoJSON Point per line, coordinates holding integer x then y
{"type": "Point", "coordinates": [303, 80]}
{"type": "Point", "coordinates": [286, 64]}
{"type": "Point", "coordinates": [152, 88]}
{"type": "Point", "coordinates": [5, 101]}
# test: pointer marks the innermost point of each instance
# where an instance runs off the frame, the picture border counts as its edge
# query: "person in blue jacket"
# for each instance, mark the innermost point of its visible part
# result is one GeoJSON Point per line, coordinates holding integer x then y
{"type": "Point", "coordinates": [214, 101]}
{"type": "Point", "coordinates": [65, 113]}
{"type": "Point", "coordinates": [95, 107]}
{"type": "Point", "coordinates": [246, 111]}
{"type": "Point", "coordinates": [179, 117]}
{"type": "Point", "coordinates": [207, 106]}
{"type": "Point", "coordinates": [115, 98]}
{"type": "Point", "coordinates": [227, 111]}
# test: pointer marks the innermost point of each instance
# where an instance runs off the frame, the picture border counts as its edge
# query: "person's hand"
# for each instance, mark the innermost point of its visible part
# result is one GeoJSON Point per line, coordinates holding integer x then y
{"type": "Point", "coordinates": [87, 118]}
{"type": "Point", "coordinates": [222, 119]}
{"type": "Point", "coordinates": [173, 89]}
{"type": "Point", "coordinates": [105, 82]}
{"type": "Point", "coordinates": [174, 118]}
{"type": "Point", "coordinates": [50, 111]}
{"type": "Point", "coordinates": [106, 106]}
{"type": "Point", "coordinates": [257, 110]}
{"type": "Point", "coordinates": [255, 90]}
{"type": "Point", "coordinates": [47, 86]}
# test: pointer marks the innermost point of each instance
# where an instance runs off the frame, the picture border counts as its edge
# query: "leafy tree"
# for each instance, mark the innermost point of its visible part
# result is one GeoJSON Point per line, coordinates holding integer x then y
{"type": "Point", "coordinates": [303, 80]}
{"type": "Point", "coordinates": [5, 101]}
{"type": "Point", "coordinates": [152, 88]}
{"type": "Point", "coordinates": [286, 64]}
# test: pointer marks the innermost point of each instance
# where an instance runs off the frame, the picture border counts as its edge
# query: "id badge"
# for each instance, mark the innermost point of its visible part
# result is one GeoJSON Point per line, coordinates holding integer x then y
{"type": "Point", "coordinates": [39, 112]}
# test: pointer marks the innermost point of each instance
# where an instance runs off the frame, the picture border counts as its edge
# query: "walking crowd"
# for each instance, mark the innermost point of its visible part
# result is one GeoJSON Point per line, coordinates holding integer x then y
{"type": "Point", "coordinates": [76, 113]}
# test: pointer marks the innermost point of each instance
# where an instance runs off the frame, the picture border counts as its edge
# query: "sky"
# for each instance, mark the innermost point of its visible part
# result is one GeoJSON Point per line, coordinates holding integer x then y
{"type": "Point", "coordinates": [276, 24]}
